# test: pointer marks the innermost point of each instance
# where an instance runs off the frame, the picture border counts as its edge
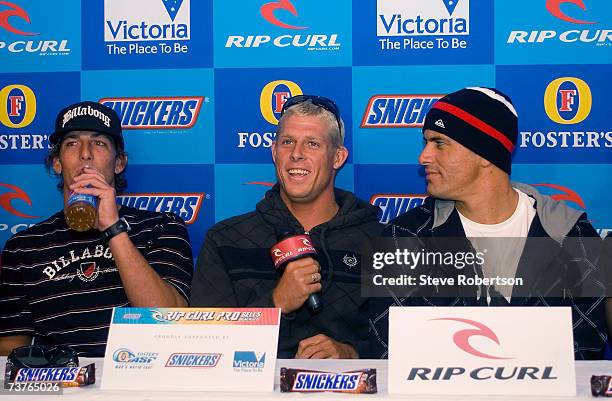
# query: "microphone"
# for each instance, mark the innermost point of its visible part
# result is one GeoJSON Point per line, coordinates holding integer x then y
{"type": "Point", "coordinates": [293, 246]}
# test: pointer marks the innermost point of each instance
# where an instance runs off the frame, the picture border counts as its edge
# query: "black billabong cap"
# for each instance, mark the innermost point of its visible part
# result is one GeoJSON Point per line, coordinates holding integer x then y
{"type": "Point", "coordinates": [88, 116]}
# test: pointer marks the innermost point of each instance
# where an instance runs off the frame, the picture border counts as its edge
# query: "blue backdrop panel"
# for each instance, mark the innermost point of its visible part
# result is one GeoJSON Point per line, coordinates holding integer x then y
{"type": "Point", "coordinates": [383, 116]}
{"type": "Point", "coordinates": [167, 115]}
{"type": "Point", "coordinates": [40, 36]}
{"type": "Point", "coordinates": [568, 112]}
{"type": "Point", "coordinates": [300, 33]}
{"type": "Point", "coordinates": [249, 103]}
{"type": "Point", "coordinates": [422, 32]}
{"type": "Point", "coordinates": [146, 34]}
{"type": "Point", "coordinates": [186, 189]}
{"type": "Point", "coordinates": [28, 194]}
{"type": "Point", "coordinates": [28, 105]}
{"type": "Point", "coordinates": [527, 32]}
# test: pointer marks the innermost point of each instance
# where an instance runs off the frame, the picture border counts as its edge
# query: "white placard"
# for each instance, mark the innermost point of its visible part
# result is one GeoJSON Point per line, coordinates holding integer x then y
{"type": "Point", "coordinates": [192, 349]}
{"type": "Point", "coordinates": [480, 350]}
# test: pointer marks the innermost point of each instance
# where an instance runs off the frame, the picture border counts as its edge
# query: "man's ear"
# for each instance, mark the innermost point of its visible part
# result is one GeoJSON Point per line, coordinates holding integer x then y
{"type": "Point", "coordinates": [273, 150]}
{"type": "Point", "coordinates": [120, 163]}
{"type": "Point", "coordinates": [57, 165]}
{"type": "Point", "coordinates": [340, 156]}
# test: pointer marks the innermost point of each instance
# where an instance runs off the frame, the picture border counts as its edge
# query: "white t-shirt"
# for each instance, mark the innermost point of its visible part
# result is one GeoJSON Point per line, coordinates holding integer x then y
{"type": "Point", "coordinates": [502, 256]}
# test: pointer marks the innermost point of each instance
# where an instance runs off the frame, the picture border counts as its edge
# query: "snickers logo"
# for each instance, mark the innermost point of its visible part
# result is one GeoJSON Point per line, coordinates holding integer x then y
{"type": "Point", "coordinates": [180, 112]}
{"type": "Point", "coordinates": [397, 111]}
{"type": "Point", "coordinates": [393, 205]}
{"type": "Point", "coordinates": [184, 205]}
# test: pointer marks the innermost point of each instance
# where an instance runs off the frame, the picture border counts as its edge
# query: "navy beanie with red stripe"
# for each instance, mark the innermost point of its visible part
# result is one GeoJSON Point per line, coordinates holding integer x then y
{"type": "Point", "coordinates": [481, 119]}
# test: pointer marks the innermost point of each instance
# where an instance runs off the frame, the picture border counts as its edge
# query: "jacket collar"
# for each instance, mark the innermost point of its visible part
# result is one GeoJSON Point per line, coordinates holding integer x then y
{"type": "Point", "coordinates": [352, 210]}
{"type": "Point", "coordinates": [556, 218]}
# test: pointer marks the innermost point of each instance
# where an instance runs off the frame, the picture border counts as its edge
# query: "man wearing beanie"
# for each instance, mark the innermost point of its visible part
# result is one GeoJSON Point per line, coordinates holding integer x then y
{"type": "Point", "coordinates": [58, 286]}
{"type": "Point", "coordinates": [469, 137]}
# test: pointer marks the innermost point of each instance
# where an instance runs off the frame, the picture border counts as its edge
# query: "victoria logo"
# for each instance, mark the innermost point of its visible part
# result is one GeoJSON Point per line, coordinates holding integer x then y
{"type": "Point", "coordinates": [268, 12]}
{"type": "Point", "coordinates": [172, 6]}
{"type": "Point", "coordinates": [17, 193]}
{"type": "Point", "coordinates": [462, 337]}
{"type": "Point", "coordinates": [554, 7]}
{"type": "Point", "coordinates": [14, 11]}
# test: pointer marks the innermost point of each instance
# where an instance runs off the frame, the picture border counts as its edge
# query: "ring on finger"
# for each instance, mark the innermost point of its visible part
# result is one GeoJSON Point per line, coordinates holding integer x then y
{"type": "Point", "coordinates": [314, 277]}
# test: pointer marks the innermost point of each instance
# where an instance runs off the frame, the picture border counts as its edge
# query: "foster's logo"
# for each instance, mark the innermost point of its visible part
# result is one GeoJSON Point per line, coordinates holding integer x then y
{"type": "Point", "coordinates": [19, 106]}
{"type": "Point", "coordinates": [568, 100]}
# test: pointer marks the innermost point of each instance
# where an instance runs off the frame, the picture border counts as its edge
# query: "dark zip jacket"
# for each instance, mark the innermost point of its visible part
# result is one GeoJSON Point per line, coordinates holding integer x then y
{"type": "Point", "coordinates": [235, 269]}
{"type": "Point", "coordinates": [568, 244]}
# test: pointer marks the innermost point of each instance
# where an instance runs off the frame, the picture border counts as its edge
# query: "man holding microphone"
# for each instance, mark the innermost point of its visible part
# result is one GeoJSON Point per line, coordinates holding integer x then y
{"type": "Point", "coordinates": [235, 267]}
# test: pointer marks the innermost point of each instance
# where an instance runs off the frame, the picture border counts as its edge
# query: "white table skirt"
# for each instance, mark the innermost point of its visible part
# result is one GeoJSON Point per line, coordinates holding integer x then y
{"type": "Point", "coordinates": [584, 370]}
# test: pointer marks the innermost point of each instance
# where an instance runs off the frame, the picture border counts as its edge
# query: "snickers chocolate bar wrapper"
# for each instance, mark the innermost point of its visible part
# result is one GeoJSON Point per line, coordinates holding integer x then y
{"type": "Point", "coordinates": [361, 381]}
{"type": "Point", "coordinates": [601, 385]}
{"type": "Point", "coordinates": [66, 376]}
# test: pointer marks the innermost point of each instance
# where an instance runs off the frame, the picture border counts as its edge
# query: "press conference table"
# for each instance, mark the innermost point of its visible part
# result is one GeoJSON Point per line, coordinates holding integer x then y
{"type": "Point", "coordinates": [584, 370]}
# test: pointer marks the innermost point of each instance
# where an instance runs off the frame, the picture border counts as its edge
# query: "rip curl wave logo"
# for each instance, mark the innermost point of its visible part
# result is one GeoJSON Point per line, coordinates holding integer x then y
{"type": "Point", "coordinates": [268, 12]}
{"type": "Point", "coordinates": [6, 200]}
{"type": "Point", "coordinates": [461, 338]}
{"type": "Point", "coordinates": [566, 195]}
{"type": "Point", "coordinates": [14, 11]}
{"type": "Point", "coordinates": [554, 7]}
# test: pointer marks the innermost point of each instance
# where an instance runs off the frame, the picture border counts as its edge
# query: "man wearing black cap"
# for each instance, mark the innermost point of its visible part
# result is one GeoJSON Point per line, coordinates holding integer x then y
{"type": "Point", "coordinates": [469, 137]}
{"type": "Point", "coordinates": [59, 286]}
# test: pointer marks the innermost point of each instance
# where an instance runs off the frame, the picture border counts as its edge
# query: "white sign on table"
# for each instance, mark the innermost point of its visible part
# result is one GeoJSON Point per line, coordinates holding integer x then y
{"type": "Point", "coordinates": [191, 349]}
{"type": "Point", "coordinates": [479, 350]}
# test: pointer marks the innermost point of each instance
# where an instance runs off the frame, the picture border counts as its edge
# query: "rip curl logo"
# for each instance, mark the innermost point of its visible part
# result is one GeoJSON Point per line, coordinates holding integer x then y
{"type": "Point", "coordinates": [268, 12]}
{"type": "Point", "coordinates": [554, 7]}
{"type": "Point", "coordinates": [566, 195]}
{"type": "Point", "coordinates": [306, 242]}
{"type": "Point", "coordinates": [14, 11]}
{"type": "Point", "coordinates": [462, 337]}
{"type": "Point", "coordinates": [277, 252]}
{"type": "Point", "coordinates": [7, 198]}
